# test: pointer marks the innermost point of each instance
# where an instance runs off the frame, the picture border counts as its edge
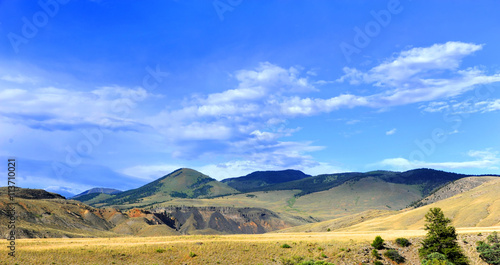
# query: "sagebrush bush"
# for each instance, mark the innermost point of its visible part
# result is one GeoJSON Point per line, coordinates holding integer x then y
{"type": "Point", "coordinates": [393, 255]}
{"type": "Point", "coordinates": [375, 254]}
{"type": "Point", "coordinates": [402, 242]}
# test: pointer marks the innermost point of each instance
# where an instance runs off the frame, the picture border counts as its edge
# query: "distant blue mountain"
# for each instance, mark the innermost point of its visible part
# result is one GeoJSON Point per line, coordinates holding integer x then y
{"type": "Point", "coordinates": [99, 190]}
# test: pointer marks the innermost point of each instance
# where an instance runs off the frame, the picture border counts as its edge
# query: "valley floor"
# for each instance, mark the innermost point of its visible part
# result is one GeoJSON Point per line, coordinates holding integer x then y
{"type": "Point", "coordinates": [335, 247]}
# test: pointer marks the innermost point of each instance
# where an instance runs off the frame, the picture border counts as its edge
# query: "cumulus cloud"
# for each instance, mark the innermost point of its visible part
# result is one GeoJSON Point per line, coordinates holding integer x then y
{"type": "Point", "coordinates": [391, 132]}
{"type": "Point", "coordinates": [247, 124]}
{"type": "Point", "coordinates": [236, 121]}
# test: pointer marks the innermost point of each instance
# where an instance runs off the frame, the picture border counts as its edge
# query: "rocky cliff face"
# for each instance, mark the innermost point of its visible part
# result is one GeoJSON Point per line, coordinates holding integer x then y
{"type": "Point", "coordinates": [188, 220]}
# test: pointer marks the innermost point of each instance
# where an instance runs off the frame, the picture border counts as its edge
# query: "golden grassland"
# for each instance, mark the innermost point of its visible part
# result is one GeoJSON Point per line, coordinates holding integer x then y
{"type": "Point", "coordinates": [336, 247]}
{"type": "Point", "coordinates": [479, 207]}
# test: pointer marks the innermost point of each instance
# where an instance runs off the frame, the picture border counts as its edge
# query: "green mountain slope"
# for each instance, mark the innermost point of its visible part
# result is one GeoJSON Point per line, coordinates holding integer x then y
{"type": "Point", "coordinates": [426, 179]}
{"type": "Point", "coordinates": [259, 179]}
{"type": "Point", "coordinates": [182, 183]}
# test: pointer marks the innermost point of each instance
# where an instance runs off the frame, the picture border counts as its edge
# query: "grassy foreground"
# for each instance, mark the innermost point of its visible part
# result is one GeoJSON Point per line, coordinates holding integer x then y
{"type": "Point", "coordinates": [336, 247]}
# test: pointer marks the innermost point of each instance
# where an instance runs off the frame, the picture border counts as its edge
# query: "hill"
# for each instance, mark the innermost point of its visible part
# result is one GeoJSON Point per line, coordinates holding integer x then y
{"type": "Point", "coordinates": [43, 214]}
{"type": "Point", "coordinates": [451, 189]}
{"type": "Point", "coordinates": [478, 207]}
{"type": "Point", "coordinates": [97, 190]}
{"type": "Point", "coordinates": [182, 183]}
{"type": "Point", "coordinates": [259, 179]}
{"type": "Point", "coordinates": [40, 214]}
{"type": "Point", "coordinates": [329, 196]}
{"type": "Point", "coordinates": [34, 194]}
{"type": "Point", "coordinates": [356, 196]}
{"type": "Point", "coordinates": [426, 179]}
{"type": "Point", "coordinates": [476, 203]}
{"type": "Point", "coordinates": [338, 223]}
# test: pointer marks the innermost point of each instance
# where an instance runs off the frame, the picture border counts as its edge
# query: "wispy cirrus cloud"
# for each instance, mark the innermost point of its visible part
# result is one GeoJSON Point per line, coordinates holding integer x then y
{"type": "Point", "coordinates": [480, 159]}
{"type": "Point", "coordinates": [18, 78]}
{"type": "Point", "coordinates": [50, 108]}
{"type": "Point", "coordinates": [464, 107]}
{"type": "Point", "coordinates": [420, 75]}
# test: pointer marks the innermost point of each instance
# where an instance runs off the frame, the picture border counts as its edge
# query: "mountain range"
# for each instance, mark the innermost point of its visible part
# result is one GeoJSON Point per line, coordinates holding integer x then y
{"type": "Point", "coordinates": [189, 202]}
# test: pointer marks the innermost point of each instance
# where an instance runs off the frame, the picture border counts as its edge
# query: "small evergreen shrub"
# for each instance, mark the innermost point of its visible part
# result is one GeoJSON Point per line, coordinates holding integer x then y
{"type": "Point", "coordinates": [375, 254]}
{"type": "Point", "coordinates": [436, 259]}
{"type": "Point", "coordinates": [285, 246]}
{"type": "Point", "coordinates": [393, 255]}
{"type": "Point", "coordinates": [378, 243]}
{"type": "Point", "coordinates": [490, 253]}
{"type": "Point", "coordinates": [402, 242]}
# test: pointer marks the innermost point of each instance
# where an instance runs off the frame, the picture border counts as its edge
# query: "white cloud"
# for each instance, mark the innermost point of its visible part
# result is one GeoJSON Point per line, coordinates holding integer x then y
{"type": "Point", "coordinates": [56, 109]}
{"type": "Point", "coordinates": [408, 64]}
{"type": "Point", "coordinates": [51, 183]}
{"type": "Point", "coordinates": [465, 107]}
{"type": "Point", "coordinates": [391, 132]}
{"type": "Point", "coordinates": [245, 118]}
{"type": "Point", "coordinates": [150, 172]}
{"type": "Point", "coordinates": [352, 122]}
{"type": "Point", "coordinates": [296, 106]}
{"type": "Point", "coordinates": [485, 159]}
{"type": "Point", "coordinates": [247, 122]}
{"type": "Point", "coordinates": [19, 79]}
{"type": "Point", "coordinates": [244, 167]}
{"type": "Point", "coordinates": [421, 74]}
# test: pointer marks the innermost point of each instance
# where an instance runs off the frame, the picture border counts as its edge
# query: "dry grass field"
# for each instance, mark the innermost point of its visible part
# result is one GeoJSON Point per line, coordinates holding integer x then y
{"type": "Point", "coordinates": [335, 247]}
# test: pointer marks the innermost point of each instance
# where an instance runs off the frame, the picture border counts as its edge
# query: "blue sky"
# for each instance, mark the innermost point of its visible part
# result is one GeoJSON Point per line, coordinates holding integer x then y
{"type": "Point", "coordinates": [119, 93]}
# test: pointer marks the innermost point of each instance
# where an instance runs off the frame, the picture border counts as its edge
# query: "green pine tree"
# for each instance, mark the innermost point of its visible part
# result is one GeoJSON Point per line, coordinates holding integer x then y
{"type": "Point", "coordinates": [441, 238]}
{"type": "Point", "coordinates": [436, 259]}
{"type": "Point", "coordinates": [490, 253]}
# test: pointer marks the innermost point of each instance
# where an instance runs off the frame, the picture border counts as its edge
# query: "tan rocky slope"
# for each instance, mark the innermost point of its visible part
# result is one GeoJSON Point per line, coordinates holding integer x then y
{"type": "Point", "coordinates": [453, 188]}
{"type": "Point", "coordinates": [478, 207]}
